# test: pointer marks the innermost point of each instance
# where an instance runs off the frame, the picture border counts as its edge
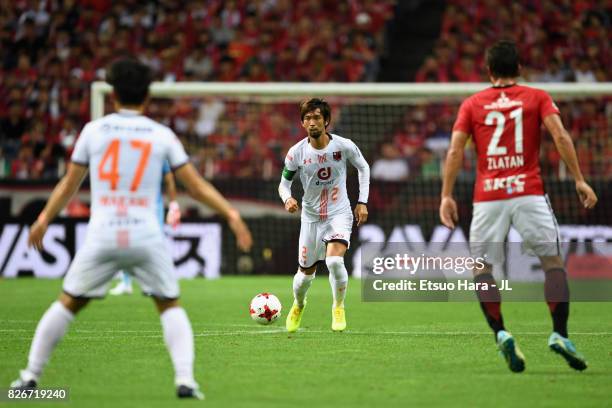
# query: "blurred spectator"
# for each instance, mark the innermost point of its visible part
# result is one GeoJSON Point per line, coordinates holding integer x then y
{"type": "Point", "coordinates": [255, 160]}
{"type": "Point", "coordinates": [553, 73]}
{"type": "Point", "coordinates": [431, 71]}
{"type": "Point", "coordinates": [198, 66]}
{"type": "Point", "coordinates": [12, 127]}
{"type": "Point", "coordinates": [22, 165]}
{"type": "Point", "coordinates": [390, 166]}
{"type": "Point", "coordinates": [430, 164]}
{"type": "Point", "coordinates": [583, 72]}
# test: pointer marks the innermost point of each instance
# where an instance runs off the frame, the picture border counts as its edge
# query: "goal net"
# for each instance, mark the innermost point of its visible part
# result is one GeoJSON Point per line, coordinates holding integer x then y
{"type": "Point", "coordinates": [237, 135]}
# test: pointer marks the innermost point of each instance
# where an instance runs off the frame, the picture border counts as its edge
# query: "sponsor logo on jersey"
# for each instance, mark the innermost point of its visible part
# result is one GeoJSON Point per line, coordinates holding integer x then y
{"type": "Point", "coordinates": [337, 156]}
{"type": "Point", "coordinates": [324, 173]}
{"type": "Point", "coordinates": [322, 158]}
{"type": "Point", "coordinates": [105, 128]}
{"type": "Point", "coordinates": [512, 184]}
{"type": "Point", "coordinates": [308, 161]}
{"type": "Point", "coordinates": [503, 102]}
{"type": "Point", "coordinates": [123, 201]}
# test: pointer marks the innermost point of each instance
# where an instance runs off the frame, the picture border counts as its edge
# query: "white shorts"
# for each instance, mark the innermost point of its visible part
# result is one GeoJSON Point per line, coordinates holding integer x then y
{"type": "Point", "coordinates": [314, 237]}
{"type": "Point", "coordinates": [531, 216]}
{"type": "Point", "coordinates": [94, 267]}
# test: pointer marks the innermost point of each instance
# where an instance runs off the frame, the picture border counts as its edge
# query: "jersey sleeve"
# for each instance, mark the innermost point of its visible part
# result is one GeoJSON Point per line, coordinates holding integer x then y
{"type": "Point", "coordinates": [464, 118]}
{"type": "Point", "coordinates": [547, 106]}
{"type": "Point", "coordinates": [353, 154]}
{"type": "Point", "coordinates": [177, 156]}
{"type": "Point", "coordinates": [80, 154]}
{"type": "Point", "coordinates": [291, 165]}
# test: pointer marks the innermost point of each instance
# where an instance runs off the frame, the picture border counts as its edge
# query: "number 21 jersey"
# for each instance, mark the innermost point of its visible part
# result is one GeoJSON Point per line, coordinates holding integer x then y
{"type": "Point", "coordinates": [505, 125]}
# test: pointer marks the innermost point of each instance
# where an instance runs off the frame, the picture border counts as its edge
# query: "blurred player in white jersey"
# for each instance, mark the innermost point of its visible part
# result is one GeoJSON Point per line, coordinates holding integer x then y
{"type": "Point", "coordinates": [124, 287]}
{"type": "Point", "coordinates": [327, 220]}
{"type": "Point", "coordinates": [125, 152]}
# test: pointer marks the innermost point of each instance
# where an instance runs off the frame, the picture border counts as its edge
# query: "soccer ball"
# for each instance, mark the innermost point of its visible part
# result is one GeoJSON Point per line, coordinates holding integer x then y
{"type": "Point", "coordinates": [265, 308]}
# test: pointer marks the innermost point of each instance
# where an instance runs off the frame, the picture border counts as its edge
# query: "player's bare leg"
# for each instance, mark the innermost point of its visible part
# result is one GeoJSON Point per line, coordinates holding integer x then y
{"type": "Point", "coordinates": [490, 303]}
{"type": "Point", "coordinates": [178, 336]}
{"type": "Point", "coordinates": [556, 291]}
{"type": "Point", "coordinates": [50, 330]}
{"type": "Point", "coordinates": [338, 279]}
{"type": "Point", "coordinates": [301, 283]}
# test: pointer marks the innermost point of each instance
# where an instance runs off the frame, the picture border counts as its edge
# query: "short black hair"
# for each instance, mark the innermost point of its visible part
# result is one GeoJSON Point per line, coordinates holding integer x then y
{"type": "Point", "coordinates": [503, 59]}
{"type": "Point", "coordinates": [313, 104]}
{"type": "Point", "coordinates": [130, 80]}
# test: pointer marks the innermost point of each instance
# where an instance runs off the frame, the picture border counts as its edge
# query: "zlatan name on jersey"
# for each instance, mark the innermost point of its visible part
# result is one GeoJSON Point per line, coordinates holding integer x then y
{"type": "Point", "coordinates": [506, 162]}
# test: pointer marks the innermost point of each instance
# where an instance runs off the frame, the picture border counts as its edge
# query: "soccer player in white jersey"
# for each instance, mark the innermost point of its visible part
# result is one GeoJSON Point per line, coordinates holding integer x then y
{"type": "Point", "coordinates": [326, 220]}
{"type": "Point", "coordinates": [124, 152]}
{"type": "Point", "coordinates": [124, 287]}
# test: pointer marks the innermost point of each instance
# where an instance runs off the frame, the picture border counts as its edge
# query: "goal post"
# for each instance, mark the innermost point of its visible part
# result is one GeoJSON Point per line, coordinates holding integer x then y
{"type": "Point", "coordinates": [424, 90]}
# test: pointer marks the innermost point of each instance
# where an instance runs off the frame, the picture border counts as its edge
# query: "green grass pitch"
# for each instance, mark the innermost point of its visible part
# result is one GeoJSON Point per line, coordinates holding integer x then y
{"type": "Point", "coordinates": [392, 354]}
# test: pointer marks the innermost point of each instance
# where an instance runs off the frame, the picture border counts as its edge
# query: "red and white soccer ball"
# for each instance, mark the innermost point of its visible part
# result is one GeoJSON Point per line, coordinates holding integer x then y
{"type": "Point", "coordinates": [265, 308]}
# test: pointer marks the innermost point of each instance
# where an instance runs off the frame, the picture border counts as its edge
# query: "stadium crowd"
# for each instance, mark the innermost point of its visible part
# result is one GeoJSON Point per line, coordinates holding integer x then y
{"type": "Point", "coordinates": [51, 51]}
{"type": "Point", "coordinates": [559, 41]}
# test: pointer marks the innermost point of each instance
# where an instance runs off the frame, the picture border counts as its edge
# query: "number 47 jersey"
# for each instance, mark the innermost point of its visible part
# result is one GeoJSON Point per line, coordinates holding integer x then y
{"type": "Point", "coordinates": [505, 124]}
{"type": "Point", "coordinates": [125, 153]}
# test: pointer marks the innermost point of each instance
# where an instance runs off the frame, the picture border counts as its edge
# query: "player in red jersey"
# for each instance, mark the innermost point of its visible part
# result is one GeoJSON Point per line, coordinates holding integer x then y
{"type": "Point", "coordinates": [505, 122]}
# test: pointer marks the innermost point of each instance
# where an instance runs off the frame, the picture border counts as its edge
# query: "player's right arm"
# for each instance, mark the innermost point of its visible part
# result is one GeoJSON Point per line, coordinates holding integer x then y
{"type": "Point", "coordinates": [207, 194]}
{"type": "Point", "coordinates": [454, 159]}
{"type": "Point", "coordinates": [565, 147]}
{"type": "Point", "coordinates": [61, 195]}
{"type": "Point", "coordinates": [284, 188]}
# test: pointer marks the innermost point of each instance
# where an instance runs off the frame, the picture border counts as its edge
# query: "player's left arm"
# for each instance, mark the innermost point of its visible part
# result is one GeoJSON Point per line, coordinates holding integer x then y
{"type": "Point", "coordinates": [454, 159]}
{"type": "Point", "coordinates": [61, 195]}
{"type": "Point", "coordinates": [363, 174]}
{"type": "Point", "coordinates": [565, 147]}
{"type": "Point", "coordinates": [174, 211]}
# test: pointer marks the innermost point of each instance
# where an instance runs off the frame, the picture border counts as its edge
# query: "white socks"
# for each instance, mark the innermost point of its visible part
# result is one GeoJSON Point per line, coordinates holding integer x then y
{"type": "Point", "coordinates": [50, 330]}
{"type": "Point", "coordinates": [301, 284]}
{"type": "Point", "coordinates": [179, 340]}
{"type": "Point", "coordinates": [338, 278]}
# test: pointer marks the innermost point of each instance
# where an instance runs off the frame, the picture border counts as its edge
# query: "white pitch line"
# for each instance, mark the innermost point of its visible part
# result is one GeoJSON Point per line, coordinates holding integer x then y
{"type": "Point", "coordinates": [206, 333]}
{"type": "Point", "coordinates": [127, 322]}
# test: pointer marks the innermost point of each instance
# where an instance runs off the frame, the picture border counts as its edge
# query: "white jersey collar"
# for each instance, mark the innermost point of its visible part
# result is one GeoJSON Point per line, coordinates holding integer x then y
{"type": "Point", "coordinates": [128, 112]}
{"type": "Point", "coordinates": [331, 140]}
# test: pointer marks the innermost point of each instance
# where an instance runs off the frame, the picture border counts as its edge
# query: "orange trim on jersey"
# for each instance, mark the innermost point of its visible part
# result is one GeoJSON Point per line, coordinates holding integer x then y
{"type": "Point", "coordinates": [112, 153]}
{"type": "Point", "coordinates": [323, 205]}
{"type": "Point", "coordinates": [142, 163]}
